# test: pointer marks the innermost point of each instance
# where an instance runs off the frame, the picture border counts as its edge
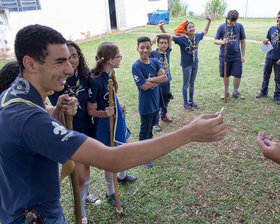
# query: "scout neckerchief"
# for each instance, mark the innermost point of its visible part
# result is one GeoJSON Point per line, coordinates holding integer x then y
{"type": "Point", "coordinates": [192, 43]}
{"type": "Point", "coordinates": [74, 90]}
{"type": "Point", "coordinates": [277, 37]}
{"type": "Point", "coordinates": [22, 92]}
{"type": "Point", "coordinates": [231, 36]}
{"type": "Point", "coordinates": [165, 61]}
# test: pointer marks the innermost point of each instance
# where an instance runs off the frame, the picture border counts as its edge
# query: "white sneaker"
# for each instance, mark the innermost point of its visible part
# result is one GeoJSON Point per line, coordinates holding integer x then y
{"type": "Point", "coordinates": [94, 200]}
{"type": "Point", "coordinates": [84, 220]}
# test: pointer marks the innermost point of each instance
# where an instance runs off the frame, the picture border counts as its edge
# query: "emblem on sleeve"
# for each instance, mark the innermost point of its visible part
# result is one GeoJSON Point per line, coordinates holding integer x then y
{"type": "Point", "coordinates": [136, 78]}
{"type": "Point", "coordinates": [59, 129]}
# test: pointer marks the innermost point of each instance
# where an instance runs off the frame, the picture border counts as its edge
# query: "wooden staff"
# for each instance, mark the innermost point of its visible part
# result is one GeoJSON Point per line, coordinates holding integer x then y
{"type": "Point", "coordinates": [69, 169]}
{"type": "Point", "coordinates": [225, 65]}
{"type": "Point", "coordinates": [117, 196]}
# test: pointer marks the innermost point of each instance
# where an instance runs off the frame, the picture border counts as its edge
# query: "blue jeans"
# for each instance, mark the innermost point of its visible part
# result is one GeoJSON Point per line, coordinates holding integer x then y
{"type": "Point", "coordinates": [269, 63]}
{"type": "Point", "coordinates": [147, 123]}
{"type": "Point", "coordinates": [60, 220]}
{"type": "Point", "coordinates": [189, 75]}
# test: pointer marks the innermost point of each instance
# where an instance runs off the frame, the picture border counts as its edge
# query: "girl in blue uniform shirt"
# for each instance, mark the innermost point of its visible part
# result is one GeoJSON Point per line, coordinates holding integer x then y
{"type": "Point", "coordinates": [107, 59]}
{"type": "Point", "coordinates": [189, 60]}
{"type": "Point", "coordinates": [77, 85]}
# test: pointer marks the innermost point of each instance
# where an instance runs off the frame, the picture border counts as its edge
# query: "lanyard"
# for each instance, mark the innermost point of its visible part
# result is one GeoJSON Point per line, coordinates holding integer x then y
{"type": "Point", "coordinates": [192, 43]}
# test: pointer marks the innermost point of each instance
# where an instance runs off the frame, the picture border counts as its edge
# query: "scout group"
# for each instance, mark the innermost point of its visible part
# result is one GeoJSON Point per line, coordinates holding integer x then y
{"type": "Point", "coordinates": [51, 76]}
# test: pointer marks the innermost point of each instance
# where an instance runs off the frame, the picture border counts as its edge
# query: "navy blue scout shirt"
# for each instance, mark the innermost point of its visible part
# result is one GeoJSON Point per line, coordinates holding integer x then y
{"type": "Point", "coordinates": [98, 93]}
{"type": "Point", "coordinates": [187, 49]}
{"type": "Point", "coordinates": [31, 146]}
{"type": "Point", "coordinates": [160, 57]}
{"type": "Point", "coordinates": [234, 34]}
{"type": "Point", "coordinates": [81, 121]}
{"type": "Point", "coordinates": [149, 100]}
{"type": "Point", "coordinates": [273, 35]}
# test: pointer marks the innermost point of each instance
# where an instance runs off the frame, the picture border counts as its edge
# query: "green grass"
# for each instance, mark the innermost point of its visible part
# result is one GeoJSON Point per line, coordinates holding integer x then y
{"type": "Point", "coordinates": [221, 182]}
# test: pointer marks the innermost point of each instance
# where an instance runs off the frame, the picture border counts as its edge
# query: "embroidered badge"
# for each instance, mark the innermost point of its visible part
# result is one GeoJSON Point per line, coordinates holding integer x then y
{"type": "Point", "coordinates": [20, 86]}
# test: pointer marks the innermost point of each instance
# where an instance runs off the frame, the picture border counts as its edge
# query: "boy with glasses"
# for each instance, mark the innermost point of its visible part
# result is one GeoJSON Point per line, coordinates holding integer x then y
{"type": "Point", "coordinates": [162, 53]}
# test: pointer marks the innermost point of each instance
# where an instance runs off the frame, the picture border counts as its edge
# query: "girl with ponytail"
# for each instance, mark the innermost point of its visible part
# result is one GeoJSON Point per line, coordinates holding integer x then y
{"type": "Point", "coordinates": [108, 58]}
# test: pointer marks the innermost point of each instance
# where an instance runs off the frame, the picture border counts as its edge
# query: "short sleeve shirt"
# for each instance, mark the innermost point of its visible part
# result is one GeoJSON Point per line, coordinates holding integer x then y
{"type": "Point", "coordinates": [188, 48]}
{"type": "Point", "coordinates": [234, 34]}
{"type": "Point", "coordinates": [31, 146]}
{"type": "Point", "coordinates": [98, 91]}
{"type": "Point", "coordinates": [148, 99]}
{"type": "Point", "coordinates": [273, 35]}
{"type": "Point", "coordinates": [81, 121]}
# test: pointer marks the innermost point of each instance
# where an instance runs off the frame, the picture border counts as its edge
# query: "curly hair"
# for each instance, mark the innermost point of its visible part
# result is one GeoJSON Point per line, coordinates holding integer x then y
{"type": "Point", "coordinates": [82, 67]}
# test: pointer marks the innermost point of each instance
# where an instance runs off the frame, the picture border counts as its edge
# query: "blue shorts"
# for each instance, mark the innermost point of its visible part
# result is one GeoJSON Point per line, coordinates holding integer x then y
{"type": "Point", "coordinates": [234, 68]}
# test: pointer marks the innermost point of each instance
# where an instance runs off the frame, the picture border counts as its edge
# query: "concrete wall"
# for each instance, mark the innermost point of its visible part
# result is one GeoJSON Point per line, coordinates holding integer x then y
{"type": "Point", "coordinates": [255, 8]}
{"type": "Point", "coordinates": [78, 20]}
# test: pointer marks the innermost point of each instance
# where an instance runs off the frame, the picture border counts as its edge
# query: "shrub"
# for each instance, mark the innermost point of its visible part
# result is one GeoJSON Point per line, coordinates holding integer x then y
{"type": "Point", "coordinates": [216, 8]}
{"type": "Point", "coordinates": [177, 8]}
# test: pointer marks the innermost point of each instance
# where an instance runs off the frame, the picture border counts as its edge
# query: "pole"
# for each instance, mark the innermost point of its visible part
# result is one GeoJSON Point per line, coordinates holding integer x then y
{"type": "Point", "coordinates": [69, 167]}
{"type": "Point", "coordinates": [117, 196]}
{"type": "Point", "coordinates": [225, 65]}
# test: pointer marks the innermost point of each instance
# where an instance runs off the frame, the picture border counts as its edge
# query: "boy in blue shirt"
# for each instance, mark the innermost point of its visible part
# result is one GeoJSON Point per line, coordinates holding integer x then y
{"type": "Point", "coordinates": [272, 60]}
{"type": "Point", "coordinates": [148, 74]}
{"type": "Point", "coordinates": [235, 59]}
{"type": "Point", "coordinates": [162, 53]}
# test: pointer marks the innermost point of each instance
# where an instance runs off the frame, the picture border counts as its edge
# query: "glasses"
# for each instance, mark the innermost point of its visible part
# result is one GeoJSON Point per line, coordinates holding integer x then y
{"type": "Point", "coordinates": [74, 57]}
{"type": "Point", "coordinates": [120, 56]}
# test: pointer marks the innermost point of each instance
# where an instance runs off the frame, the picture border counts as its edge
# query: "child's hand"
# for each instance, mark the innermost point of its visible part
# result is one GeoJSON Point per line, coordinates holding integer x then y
{"type": "Point", "coordinates": [160, 23]}
{"type": "Point", "coordinates": [208, 18]}
{"type": "Point", "coordinates": [265, 42]}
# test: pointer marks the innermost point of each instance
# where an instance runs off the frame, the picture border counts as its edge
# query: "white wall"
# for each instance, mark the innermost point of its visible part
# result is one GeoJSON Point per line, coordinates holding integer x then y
{"type": "Point", "coordinates": [136, 11]}
{"type": "Point", "coordinates": [68, 17]}
{"type": "Point", "coordinates": [255, 9]}
{"type": "Point", "coordinates": [84, 18]}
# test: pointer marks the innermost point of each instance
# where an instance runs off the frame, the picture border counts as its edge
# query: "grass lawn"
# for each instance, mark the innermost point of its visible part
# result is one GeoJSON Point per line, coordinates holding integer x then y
{"type": "Point", "coordinates": [221, 182]}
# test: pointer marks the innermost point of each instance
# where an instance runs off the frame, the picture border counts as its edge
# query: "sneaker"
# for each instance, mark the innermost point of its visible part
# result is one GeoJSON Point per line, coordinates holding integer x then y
{"type": "Point", "coordinates": [157, 128]}
{"type": "Point", "coordinates": [188, 106]}
{"type": "Point", "coordinates": [260, 95]}
{"type": "Point", "coordinates": [166, 119]}
{"type": "Point", "coordinates": [277, 101]}
{"type": "Point", "coordinates": [223, 96]}
{"type": "Point", "coordinates": [84, 220]}
{"type": "Point", "coordinates": [93, 200]}
{"type": "Point", "coordinates": [149, 164]}
{"type": "Point", "coordinates": [193, 105]}
{"type": "Point", "coordinates": [112, 200]}
{"type": "Point", "coordinates": [237, 95]}
{"type": "Point", "coordinates": [127, 179]}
